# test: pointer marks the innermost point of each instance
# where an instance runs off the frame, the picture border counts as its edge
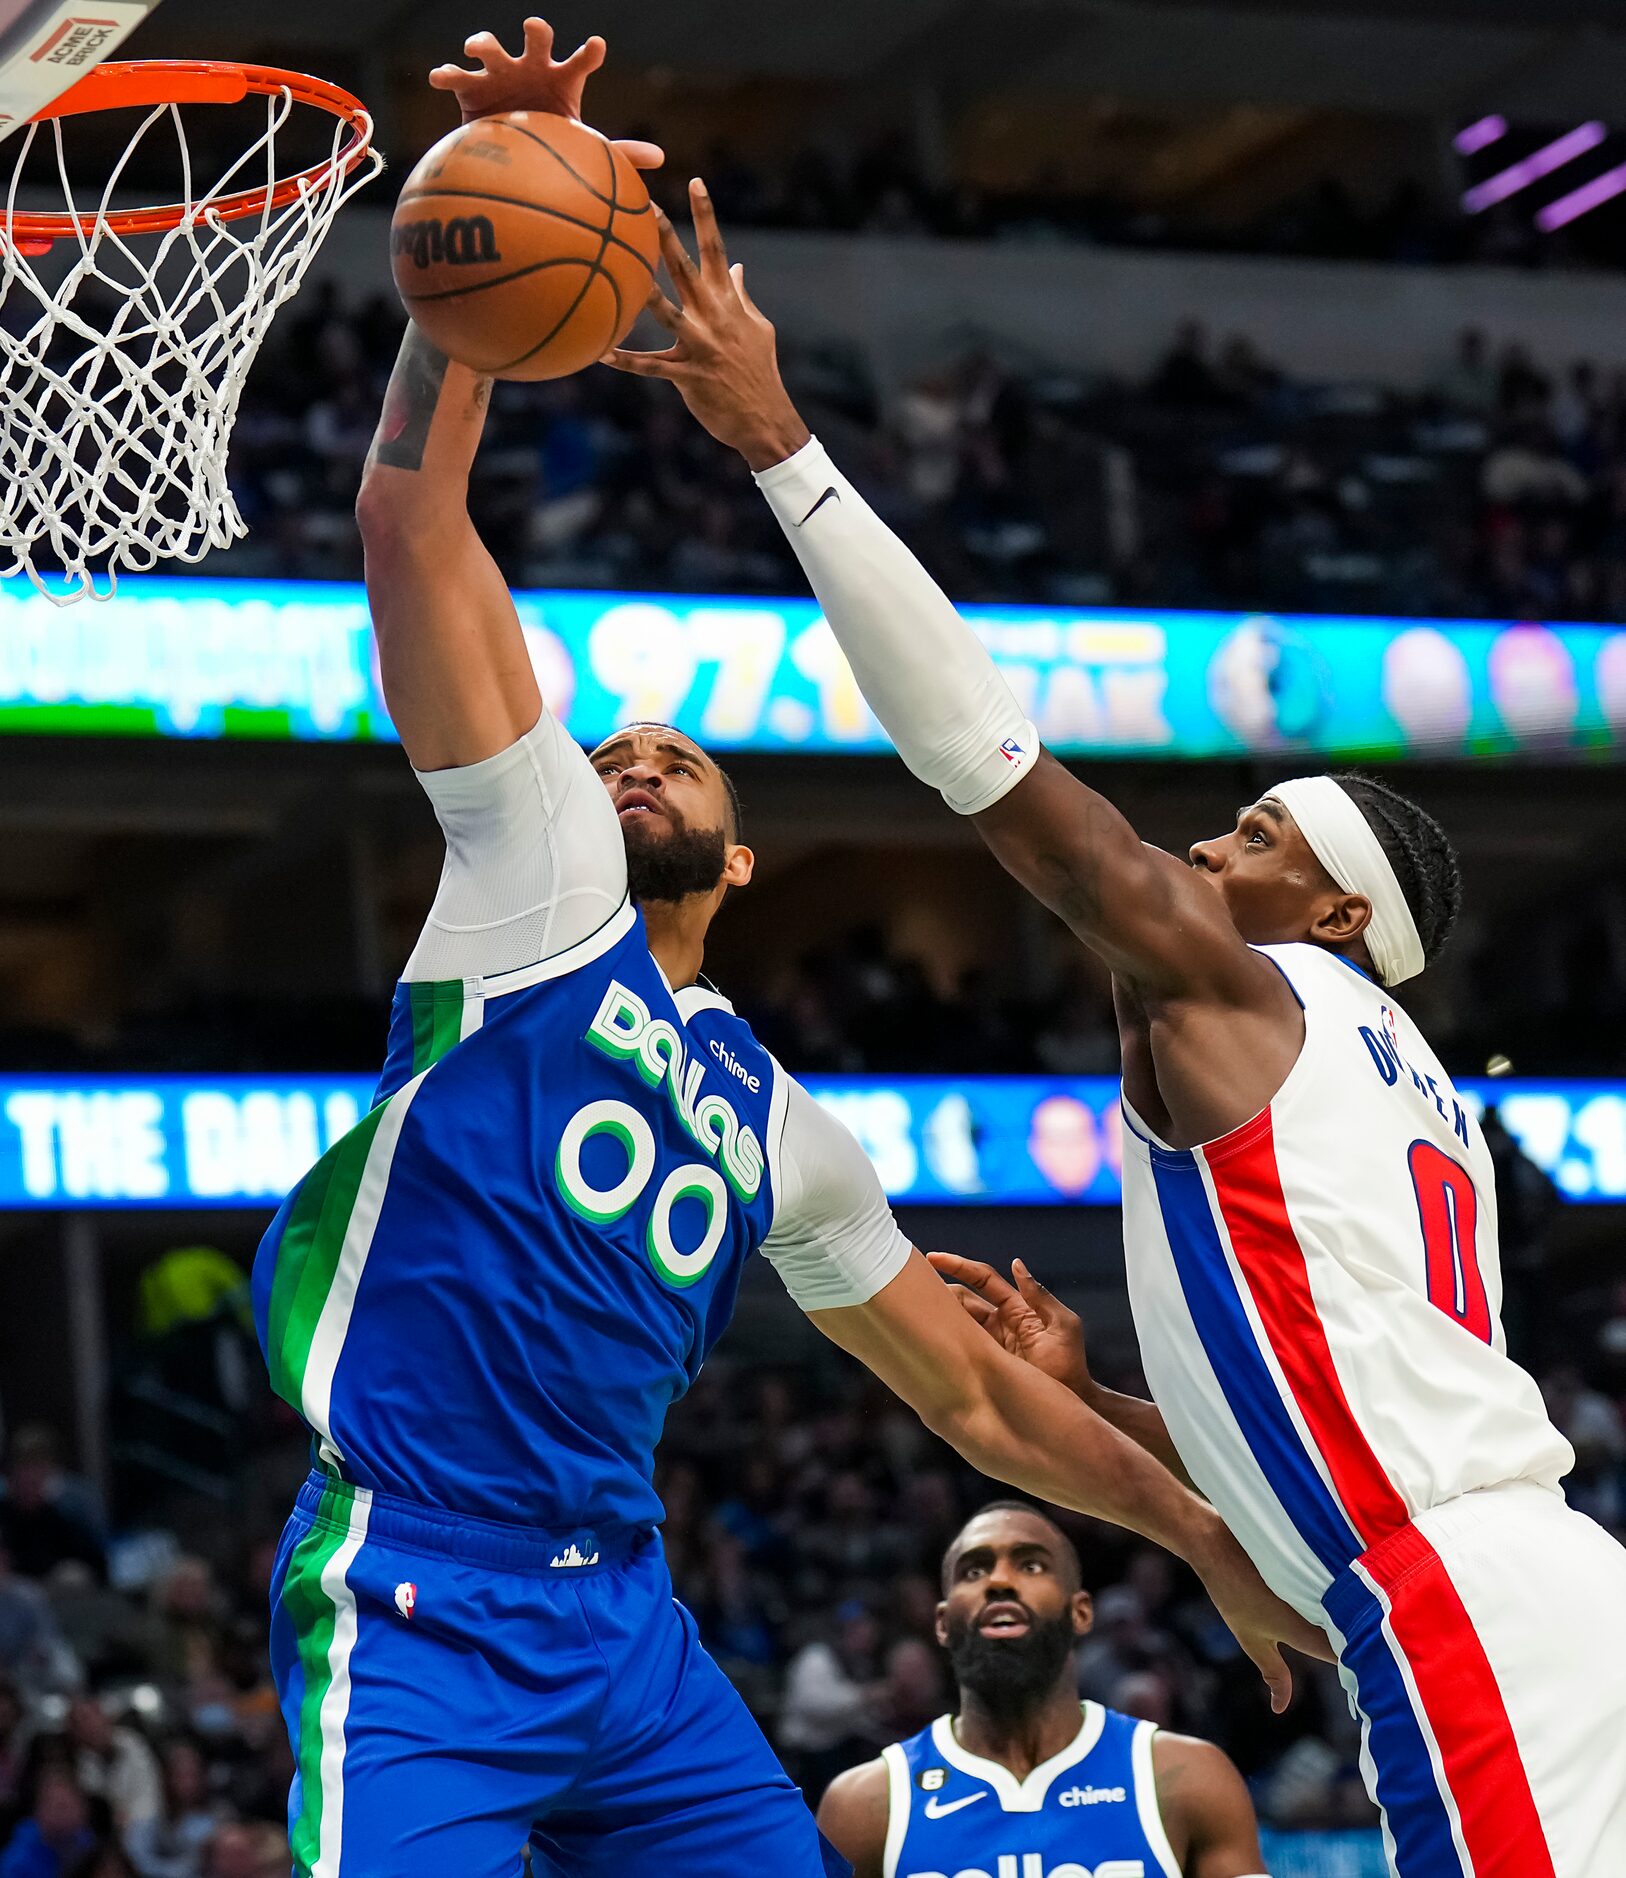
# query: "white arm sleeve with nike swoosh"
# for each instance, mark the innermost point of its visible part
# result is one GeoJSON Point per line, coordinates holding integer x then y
{"type": "Point", "coordinates": [925, 673]}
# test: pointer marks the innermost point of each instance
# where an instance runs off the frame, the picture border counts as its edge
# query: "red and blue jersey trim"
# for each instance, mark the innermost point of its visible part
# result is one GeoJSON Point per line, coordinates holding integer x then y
{"type": "Point", "coordinates": [1449, 1776]}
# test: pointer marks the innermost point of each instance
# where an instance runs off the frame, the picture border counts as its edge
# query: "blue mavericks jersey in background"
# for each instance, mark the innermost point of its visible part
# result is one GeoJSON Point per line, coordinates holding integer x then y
{"type": "Point", "coordinates": [1088, 1812]}
{"type": "Point", "coordinates": [486, 1297]}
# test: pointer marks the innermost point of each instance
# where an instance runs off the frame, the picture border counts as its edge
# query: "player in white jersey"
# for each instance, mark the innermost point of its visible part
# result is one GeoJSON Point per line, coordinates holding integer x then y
{"type": "Point", "coordinates": [1309, 1215]}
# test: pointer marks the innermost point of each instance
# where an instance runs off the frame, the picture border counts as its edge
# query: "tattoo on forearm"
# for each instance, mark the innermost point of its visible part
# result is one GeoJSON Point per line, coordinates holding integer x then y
{"type": "Point", "coordinates": [410, 403]}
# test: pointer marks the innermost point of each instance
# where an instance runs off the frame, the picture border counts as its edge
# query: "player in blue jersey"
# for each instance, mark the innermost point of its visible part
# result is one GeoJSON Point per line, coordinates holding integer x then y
{"type": "Point", "coordinates": [1077, 1792]}
{"type": "Point", "coordinates": [486, 1297]}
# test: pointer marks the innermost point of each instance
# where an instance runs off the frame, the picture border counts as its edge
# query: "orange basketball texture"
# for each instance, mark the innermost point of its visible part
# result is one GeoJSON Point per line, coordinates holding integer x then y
{"type": "Point", "coordinates": [524, 245]}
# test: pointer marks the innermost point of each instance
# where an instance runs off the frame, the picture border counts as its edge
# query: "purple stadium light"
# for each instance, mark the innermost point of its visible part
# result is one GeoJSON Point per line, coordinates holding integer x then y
{"type": "Point", "coordinates": [1477, 136]}
{"type": "Point", "coordinates": [1582, 201]}
{"type": "Point", "coordinates": [1517, 176]}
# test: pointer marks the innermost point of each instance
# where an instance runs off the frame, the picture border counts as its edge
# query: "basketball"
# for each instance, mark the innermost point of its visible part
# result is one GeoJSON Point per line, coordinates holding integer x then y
{"type": "Point", "coordinates": [524, 245]}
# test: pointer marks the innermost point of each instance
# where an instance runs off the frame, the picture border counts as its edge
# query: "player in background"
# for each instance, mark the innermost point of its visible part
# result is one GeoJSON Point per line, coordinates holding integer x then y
{"type": "Point", "coordinates": [1309, 1207]}
{"type": "Point", "coordinates": [1077, 1789]}
{"type": "Point", "coordinates": [486, 1297]}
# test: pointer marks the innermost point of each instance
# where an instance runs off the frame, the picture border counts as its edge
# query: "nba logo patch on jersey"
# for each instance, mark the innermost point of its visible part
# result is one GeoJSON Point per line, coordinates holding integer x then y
{"type": "Point", "coordinates": [1011, 750]}
{"type": "Point", "coordinates": [406, 1600]}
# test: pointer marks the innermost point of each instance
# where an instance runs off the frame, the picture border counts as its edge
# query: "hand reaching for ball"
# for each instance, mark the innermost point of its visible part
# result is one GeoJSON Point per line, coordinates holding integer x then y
{"type": "Point", "coordinates": [724, 360]}
{"type": "Point", "coordinates": [535, 81]}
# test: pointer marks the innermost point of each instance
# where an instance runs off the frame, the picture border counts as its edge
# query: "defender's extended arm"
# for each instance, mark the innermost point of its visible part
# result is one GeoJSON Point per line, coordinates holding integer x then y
{"type": "Point", "coordinates": [1032, 1323]}
{"type": "Point", "coordinates": [924, 671]}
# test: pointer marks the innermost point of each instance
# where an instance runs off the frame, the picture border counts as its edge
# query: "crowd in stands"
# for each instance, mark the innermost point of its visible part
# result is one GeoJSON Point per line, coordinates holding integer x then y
{"type": "Point", "coordinates": [880, 188]}
{"type": "Point", "coordinates": [807, 1513]}
{"type": "Point", "coordinates": [1498, 491]}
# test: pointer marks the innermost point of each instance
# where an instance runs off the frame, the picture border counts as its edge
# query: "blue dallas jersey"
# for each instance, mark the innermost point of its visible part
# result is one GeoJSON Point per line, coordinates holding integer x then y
{"type": "Point", "coordinates": [1088, 1812]}
{"type": "Point", "coordinates": [486, 1297]}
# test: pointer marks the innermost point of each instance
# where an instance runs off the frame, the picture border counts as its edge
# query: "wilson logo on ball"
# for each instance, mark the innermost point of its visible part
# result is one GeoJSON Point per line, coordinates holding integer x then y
{"type": "Point", "coordinates": [465, 241]}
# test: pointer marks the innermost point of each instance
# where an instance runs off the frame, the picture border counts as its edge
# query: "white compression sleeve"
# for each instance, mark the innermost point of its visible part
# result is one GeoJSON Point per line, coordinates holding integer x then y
{"type": "Point", "coordinates": [925, 673]}
{"type": "Point", "coordinates": [833, 1240]}
{"type": "Point", "coordinates": [534, 858]}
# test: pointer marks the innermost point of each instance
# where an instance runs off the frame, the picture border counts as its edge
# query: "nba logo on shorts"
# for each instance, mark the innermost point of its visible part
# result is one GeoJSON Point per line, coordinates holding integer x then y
{"type": "Point", "coordinates": [406, 1600]}
{"type": "Point", "coordinates": [1011, 750]}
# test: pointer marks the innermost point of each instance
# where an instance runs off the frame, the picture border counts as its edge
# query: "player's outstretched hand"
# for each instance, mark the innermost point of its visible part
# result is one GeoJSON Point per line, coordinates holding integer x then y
{"type": "Point", "coordinates": [723, 358]}
{"type": "Point", "coordinates": [1258, 1619]}
{"type": "Point", "coordinates": [535, 81]}
{"type": "Point", "coordinates": [1026, 1318]}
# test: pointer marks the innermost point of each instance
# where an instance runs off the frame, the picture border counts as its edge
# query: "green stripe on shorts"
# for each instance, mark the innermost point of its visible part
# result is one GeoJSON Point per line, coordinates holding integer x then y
{"type": "Point", "coordinates": [313, 1613]}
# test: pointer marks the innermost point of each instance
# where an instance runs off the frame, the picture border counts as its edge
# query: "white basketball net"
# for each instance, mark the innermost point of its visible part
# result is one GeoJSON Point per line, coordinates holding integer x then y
{"type": "Point", "coordinates": [121, 371]}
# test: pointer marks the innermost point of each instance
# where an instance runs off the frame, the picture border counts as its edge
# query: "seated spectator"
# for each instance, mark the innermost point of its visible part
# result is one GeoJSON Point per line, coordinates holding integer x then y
{"type": "Point", "coordinates": [1470, 382]}
{"type": "Point", "coordinates": [913, 1692]}
{"type": "Point", "coordinates": [108, 1860]}
{"type": "Point", "coordinates": [114, 1763]}
{"type": "Point", "coordinates": [186, 1626]}
{"type": "Point", "coordinates": [56, 1835]}
{"type": "Point", "coordinates": [829, 1717]}
{"type": "Point", "coordinates": [239, 1852]}
{"type": "Point", "coordinates": [44, 1518]}
{"type": "Point", "coordinates": [1526, 468]}
{"type": "Point", "coordinates": [175, 1842]}
{"type": "Point", "coordinates": [1186, 376]}
{"type": "Point", "coordinates": [33, 1652]}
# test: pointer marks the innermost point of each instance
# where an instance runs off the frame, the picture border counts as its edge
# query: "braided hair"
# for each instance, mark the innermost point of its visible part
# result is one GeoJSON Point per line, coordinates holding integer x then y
{"type": "Point", "coordinates": [1419, 851]}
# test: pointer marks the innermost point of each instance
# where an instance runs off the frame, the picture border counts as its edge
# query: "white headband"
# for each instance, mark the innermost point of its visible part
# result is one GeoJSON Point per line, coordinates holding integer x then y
{"type": "Point", "coordinates": [1343, 842]}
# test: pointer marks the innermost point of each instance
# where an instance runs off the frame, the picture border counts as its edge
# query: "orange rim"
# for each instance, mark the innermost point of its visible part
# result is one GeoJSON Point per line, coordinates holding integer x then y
{"type": "Point", "coordinates": [143, 83]}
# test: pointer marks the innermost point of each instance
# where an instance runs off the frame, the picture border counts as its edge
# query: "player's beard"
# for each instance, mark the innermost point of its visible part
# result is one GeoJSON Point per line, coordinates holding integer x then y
{"type": "Point", "coordinates": [674, 865]}
{"type": "Point", "coordinates": [1008, 1675]}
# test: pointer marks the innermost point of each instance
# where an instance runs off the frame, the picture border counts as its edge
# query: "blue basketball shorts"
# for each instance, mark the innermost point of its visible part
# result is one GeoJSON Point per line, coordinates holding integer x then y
{"type": "Point", "coordinates": [454, 1688]}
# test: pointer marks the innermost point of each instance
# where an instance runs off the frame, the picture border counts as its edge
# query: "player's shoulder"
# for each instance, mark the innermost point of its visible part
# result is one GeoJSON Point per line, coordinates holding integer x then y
{"type": "Point", "coordinates": [727, 1039]}
{"type": "Point", "coordinates": [856, 1810]}
{"type": "Point", "coordinates": [1193, 1774]}
{"type": "Point", "coordinates": [701, 997]}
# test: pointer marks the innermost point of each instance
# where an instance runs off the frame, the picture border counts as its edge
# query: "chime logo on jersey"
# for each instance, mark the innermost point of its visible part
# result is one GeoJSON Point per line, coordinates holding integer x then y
{"type": "Point", "coordinates": [1032, 1865]}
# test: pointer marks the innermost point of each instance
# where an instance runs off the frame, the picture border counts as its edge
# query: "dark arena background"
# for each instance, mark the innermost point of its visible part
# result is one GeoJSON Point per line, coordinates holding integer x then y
{"type": "Point", "coordinates": [1256, 376]}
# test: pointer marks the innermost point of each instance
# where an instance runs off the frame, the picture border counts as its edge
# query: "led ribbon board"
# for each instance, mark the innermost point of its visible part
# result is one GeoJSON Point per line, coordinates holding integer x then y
{"type": "Point", "coordinates": [294, 660]}
{"type": "Point", "coordinates": [243, 1141]}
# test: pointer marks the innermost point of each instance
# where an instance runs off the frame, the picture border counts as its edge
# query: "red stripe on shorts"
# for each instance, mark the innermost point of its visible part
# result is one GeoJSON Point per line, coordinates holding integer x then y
{"type": "Point", "coordinates": [1459, 1697]}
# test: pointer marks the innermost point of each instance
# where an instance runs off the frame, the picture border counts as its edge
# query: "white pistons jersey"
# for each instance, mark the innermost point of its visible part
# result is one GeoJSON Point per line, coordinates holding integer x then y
{"type": "Point", "coordinates": [1317, 1296]}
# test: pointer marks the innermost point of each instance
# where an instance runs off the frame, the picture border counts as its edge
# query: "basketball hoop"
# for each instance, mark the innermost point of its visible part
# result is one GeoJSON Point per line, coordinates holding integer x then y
{"type": "Point", "coordinates": [115, 418]}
